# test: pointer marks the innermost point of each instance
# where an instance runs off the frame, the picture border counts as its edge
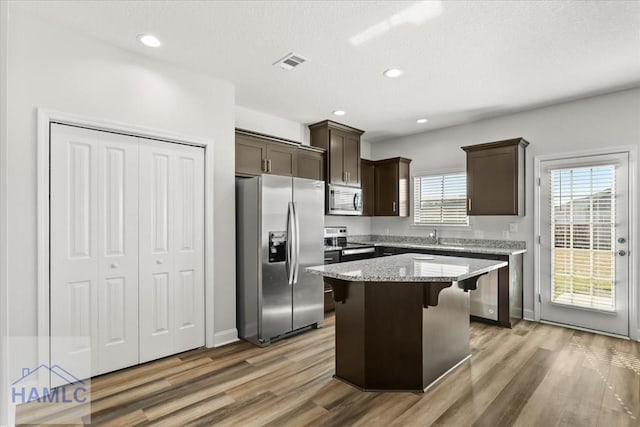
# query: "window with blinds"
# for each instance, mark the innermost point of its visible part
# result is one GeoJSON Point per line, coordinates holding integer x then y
{"type": "Point", "coordinates": [440, 199]}
{"type": "Point", "coordinates": [582, 237]}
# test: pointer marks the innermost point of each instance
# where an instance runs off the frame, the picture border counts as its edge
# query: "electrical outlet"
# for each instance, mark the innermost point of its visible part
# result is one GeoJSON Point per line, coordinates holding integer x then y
{"type": "Point", "coordinates": [513, 227]}
{"type": "Point", "coordinates": [386, 231]}
{"type": "Point", "coordinates": [505, 234]}
{"type": "Point", "coordinates": [478, 234]}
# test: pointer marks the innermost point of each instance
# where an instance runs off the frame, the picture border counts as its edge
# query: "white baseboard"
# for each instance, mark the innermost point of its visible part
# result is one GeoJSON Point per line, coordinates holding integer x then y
{"type": "Point", "coordinates": [225, 337]}
{"type": "Point", "coordinates": [528, 315]}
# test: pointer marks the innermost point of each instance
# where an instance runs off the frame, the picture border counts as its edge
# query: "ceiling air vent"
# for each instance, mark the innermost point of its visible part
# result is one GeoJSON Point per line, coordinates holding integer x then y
{"type": "Point", "coordinates": [290, 61]}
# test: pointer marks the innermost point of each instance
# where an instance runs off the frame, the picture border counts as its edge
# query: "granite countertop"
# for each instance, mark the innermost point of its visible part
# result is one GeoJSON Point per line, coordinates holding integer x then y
{"type": "Point", "coordinates": [446, 247]}
{"type": "Point", "coordinates": [408, 268]}
{"type": "Point", "coordinates": [477, 246]}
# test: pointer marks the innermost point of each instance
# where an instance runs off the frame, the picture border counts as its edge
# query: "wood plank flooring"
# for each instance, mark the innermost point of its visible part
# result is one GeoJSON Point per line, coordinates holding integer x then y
{"type": "Point", "coordinates": [532, 375]}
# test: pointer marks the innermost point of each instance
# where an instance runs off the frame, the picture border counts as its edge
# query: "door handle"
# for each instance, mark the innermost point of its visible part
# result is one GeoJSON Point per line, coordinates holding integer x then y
{"type": "Point", "coordinates": [269, 165]}
{"type": "Point", "coordinates": [159, 261]}
{"type": "Point", "coordinates": [469, 203]}
{"type": "Point", "coordinates": [393, 206]}
{"type": "Point", "coordinates": [296, 243]}
{"type": "Point", "coordinates": [114, 265]}
{"type": "Point", "coordinates": [622, 252]}
{"type": "Point", "coordinates": [288, 252]}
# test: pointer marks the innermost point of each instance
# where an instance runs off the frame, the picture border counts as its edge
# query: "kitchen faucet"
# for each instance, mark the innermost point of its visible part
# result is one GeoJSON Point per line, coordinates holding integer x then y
{"type": "Point", "coordinates": [434, 235]}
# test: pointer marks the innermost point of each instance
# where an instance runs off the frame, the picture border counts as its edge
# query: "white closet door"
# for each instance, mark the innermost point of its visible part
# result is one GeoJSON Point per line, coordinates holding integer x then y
{"type": "Point", "coordinates": [118, 250]}
{"type": "Point", "coordinates": [94, 251]}
{"type": "Point", "coordinates": [74, 250]}
{"type": "Point", "coordinates": [171, 249]}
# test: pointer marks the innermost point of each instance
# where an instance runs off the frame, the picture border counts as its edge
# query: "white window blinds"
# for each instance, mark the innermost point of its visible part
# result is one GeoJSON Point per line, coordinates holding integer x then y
{"type": "Point", "coordinates": [582, 236]}
{"type": "Point", "coordinates": [440, 199]}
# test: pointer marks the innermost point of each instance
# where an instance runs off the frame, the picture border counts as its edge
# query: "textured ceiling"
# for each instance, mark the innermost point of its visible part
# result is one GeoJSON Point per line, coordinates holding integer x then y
{"type": "Point", "coordinates": [462, 60]}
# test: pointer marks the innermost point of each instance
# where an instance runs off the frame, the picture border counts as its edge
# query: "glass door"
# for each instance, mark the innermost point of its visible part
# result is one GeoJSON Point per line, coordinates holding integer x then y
{"type": "Point", "coordinates": [584, 249]}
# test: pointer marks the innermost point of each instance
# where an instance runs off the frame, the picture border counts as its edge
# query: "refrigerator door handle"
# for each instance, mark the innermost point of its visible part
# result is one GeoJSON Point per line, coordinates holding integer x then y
{"type": "Point", "coordinates": [296, 243]}
{"type": "Point", "coordinates": [289, 250]}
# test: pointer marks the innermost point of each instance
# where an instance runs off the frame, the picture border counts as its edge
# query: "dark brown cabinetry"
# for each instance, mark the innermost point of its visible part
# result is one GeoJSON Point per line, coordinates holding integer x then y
{"type": "Point", "coordinates": [310, 165]}
{"type": "Point", "coordinates": [496, 178]}
{"type": "Point", "coordinates": [330, 257]}
{"type": "Point", "coordinates": [391, 186]}
{"type": "Point", "coordinates": [260, 154]}
{"type": "Point", "coordinates": [509, 278]}
{"type": "Point", "coordinates": [367, 178]}
{"type": "Point", "coordinates": [342, 143]}
{"type": "Point", "coordinates": [250, 155]}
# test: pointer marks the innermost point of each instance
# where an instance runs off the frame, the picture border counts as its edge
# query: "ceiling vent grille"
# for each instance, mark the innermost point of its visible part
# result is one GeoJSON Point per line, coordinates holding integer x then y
{"type": "Point", "coordinates": [290, 61]}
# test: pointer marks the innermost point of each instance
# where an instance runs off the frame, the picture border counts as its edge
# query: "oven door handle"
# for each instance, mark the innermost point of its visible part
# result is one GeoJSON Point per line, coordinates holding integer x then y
{"type": "Point", "coordinates": [358, 251]}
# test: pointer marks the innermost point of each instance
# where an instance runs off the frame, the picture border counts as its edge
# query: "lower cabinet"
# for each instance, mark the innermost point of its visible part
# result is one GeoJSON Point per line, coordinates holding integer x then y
{"type": "Point", "coordinates": [509, 287]}
{"type": "Point", "coordinates": [330, 257]}
{"type": "Point", "coordinates": [127, 250]}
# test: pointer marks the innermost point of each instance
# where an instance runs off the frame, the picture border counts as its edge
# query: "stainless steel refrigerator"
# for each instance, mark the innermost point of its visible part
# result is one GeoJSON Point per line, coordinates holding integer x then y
{"type": "Point", "coordinates": [279, 232]}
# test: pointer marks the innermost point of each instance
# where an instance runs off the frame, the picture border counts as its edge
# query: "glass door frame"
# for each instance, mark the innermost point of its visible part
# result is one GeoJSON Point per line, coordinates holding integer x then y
{"type": "Point", "coordinates": [634, 273]}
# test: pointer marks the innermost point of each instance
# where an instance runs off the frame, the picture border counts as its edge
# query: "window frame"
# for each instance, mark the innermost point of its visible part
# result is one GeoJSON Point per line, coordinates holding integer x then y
{"type": "Point", "coordinates": [413, 199]}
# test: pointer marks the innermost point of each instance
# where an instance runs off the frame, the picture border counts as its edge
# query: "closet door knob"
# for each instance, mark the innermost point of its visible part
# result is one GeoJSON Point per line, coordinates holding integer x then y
{"type": "Point", "coordinates": [114, 265]}
{"type": "Point", "coordinates": [159, 261]}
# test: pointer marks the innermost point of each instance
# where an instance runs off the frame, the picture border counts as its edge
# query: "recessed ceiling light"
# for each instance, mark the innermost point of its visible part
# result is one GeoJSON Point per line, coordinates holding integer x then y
{"type": "Point", "coordinates": [393, 72]}
{"type": "Point", "coordinates": [339, 113]}
{"type": "Point", "coordinates": [149, 40]}
{"type": "Point", "coordinates": [422, 121]}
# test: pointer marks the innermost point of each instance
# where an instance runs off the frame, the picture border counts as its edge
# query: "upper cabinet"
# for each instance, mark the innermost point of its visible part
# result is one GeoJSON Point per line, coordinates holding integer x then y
{"type": "Point", "coordinates": [495, 177]}
{"type": "Point", "coordinates": [385, 187]}
{"type": "Point", "coordinates": [260, 154]}
{"type": "Point", "coordinates": [367, 178]}
{"type": "Point", "coordinates": [310, 164]}
{"type": "Point", "coordinates": [342, 143]}
{"type": "Point", "coordinates": [392, 187]}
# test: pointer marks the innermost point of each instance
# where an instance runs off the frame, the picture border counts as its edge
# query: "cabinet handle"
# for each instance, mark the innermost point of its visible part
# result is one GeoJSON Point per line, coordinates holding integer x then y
{"type": "Point", "coordinates": [394, 206]}
{"type": "Point", "coordinates": [348, 176]}
{"type": "Point", "coordinates": [469, 204]}
{"type": "Point", "coordinates": [264, 165]}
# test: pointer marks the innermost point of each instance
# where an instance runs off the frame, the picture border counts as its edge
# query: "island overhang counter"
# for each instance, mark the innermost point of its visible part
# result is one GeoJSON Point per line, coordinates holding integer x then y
{"type": "Point", "coordinates": [402, 322]}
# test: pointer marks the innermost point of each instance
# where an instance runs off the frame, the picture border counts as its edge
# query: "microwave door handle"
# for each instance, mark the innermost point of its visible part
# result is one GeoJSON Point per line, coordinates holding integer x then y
{"type": "Point", "coordinates": [296, 244]}
{"type": "Point", "coordinates": [355, 201]}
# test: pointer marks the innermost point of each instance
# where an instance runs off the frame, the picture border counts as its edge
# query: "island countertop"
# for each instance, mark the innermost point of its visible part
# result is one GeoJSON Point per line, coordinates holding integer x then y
{"type": "Point", "coordinates": [408, 268]}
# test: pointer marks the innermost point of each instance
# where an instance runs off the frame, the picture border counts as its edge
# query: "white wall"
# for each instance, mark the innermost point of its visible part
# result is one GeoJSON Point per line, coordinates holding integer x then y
{"type": "Point", "coordinates": [4, 308]}
{"type": "Point", "coordinates": [591, 123]}
{"type": "Point", "coordinates": [57, 69]}
{"type": "Point", "coordinates": [268, 124]}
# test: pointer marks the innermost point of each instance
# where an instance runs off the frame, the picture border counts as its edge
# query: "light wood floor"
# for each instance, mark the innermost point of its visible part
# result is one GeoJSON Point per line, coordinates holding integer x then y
{"type": "Point", "coordinates": [532, 375]}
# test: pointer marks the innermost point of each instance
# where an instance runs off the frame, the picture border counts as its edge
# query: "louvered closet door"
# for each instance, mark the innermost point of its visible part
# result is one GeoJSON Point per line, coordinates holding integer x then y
{"type": "Point", "coordinates": [171, 249]}
{"type": "Point", "coordinates": [94, 253]}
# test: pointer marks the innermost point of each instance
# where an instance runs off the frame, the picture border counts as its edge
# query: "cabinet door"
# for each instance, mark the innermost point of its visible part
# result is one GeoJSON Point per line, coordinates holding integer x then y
{"type": "Point", "coordinates": [250, 154]}
{"type": "Point", "coordinates": [336, 157]}
{"type": "Point", "coordinates": [310, 165]}
{"type": "Point", "coordinates": [281, 160]}
{"type": "Point", "coordinates": [386, 184]}
{"type": "Point", "coordinates": [368, 187]}
{"type": "Point", "coordinates": [351, 159]}
{"type": "Point", "coordinates": [492, 182]}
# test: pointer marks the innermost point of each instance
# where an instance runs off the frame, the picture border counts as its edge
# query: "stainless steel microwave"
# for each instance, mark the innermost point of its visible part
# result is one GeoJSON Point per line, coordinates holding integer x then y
{"type": "Point", "coordinates": [344, 200]}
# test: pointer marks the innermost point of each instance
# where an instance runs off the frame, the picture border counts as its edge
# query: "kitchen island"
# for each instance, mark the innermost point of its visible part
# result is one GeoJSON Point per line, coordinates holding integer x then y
{"type": "Point", "coordinates": [402, 321]}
